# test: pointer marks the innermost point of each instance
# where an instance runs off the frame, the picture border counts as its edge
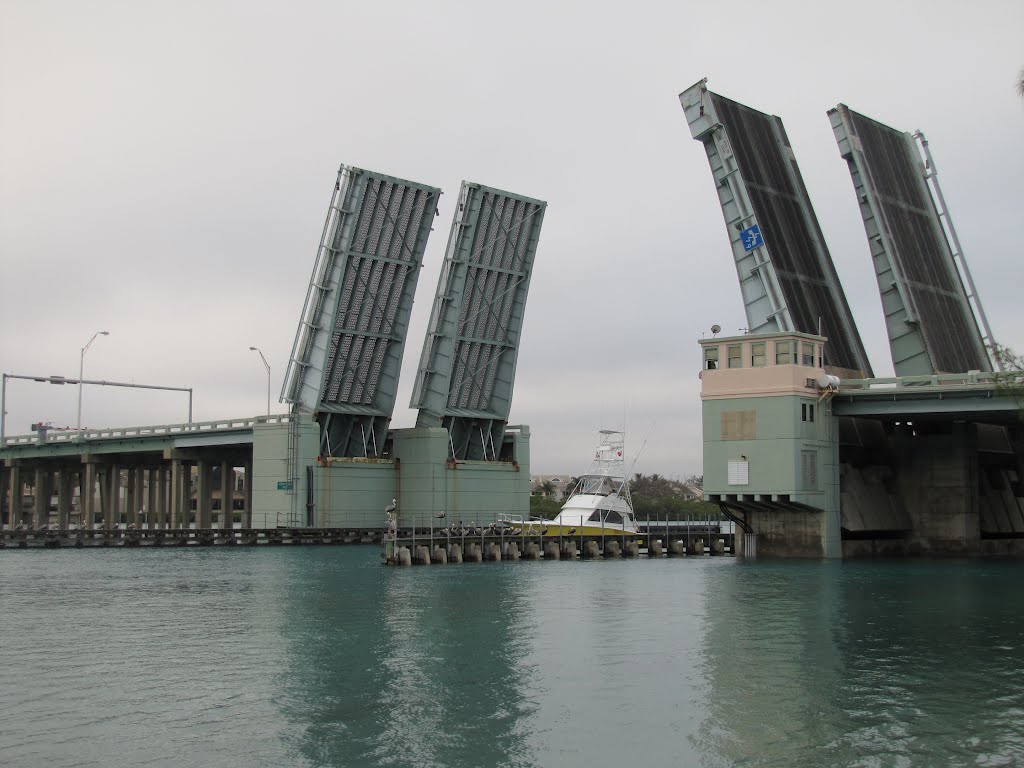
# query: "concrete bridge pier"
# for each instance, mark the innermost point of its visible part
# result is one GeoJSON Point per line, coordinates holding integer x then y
{"type": "Point", "coordinates": [111, 500]}
{"type": "Point", "coordinates": [139, 508]}
{"type": "Point", "coordinates": [5, 485]}
{"type": "Point", "coordinates": [15, 493]}
{"type": "Point", "coordinates": [227, 495]}
{"type": "Point", "coordinates": [65, 485]}
{"type": "Point", "coordinates": [162, 512]}
{"type": "Point", "coordinates": [87, 499]}
{"type": "Point", "coordinates": [203, 498]}
{"type": "Point", "coordinates": [152, 477]}
{"type": "Point", "coordinates": [132, 496]}
{"type": "Point", "coordinates": [180, 475]}
{"type": "Point", "coordinates": [41, 501]}
{"type": "Point", "coordinates": [247, 513]}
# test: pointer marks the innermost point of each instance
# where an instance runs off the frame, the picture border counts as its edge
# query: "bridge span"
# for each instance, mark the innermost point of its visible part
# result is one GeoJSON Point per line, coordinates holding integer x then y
{"type": "Point", "coordinates": [166, 476]}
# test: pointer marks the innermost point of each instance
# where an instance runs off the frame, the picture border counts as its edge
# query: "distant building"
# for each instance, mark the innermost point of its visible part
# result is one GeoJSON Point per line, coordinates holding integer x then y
{"type": "Point", "coordinates": [559, 487]}
{"type": "Point", "coordinates": [690, 492]}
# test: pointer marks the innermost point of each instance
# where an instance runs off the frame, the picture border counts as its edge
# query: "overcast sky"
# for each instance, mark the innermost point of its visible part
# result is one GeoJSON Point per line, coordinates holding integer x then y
{"type": "Point", "coordinates": [165, 168]}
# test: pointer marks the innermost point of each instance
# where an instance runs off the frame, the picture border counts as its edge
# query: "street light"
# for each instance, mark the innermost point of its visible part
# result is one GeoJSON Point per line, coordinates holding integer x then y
{"type": "Point", "coordinates": [81, 367]}
{"type": "Point", "coordinates": [267, 366]}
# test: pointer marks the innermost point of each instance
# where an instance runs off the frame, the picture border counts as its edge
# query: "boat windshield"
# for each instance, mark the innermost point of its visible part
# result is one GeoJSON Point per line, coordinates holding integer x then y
{"type": "Point", "coordinates": [599, 485]}
{"type": "Point", "coordinates": [608, 516]}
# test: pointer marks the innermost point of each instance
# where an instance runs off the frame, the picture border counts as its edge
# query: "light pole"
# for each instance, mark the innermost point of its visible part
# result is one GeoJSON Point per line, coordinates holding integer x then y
{"type": "Point", "coordinates": [81, 368]}
{"type": "Point", "coordinates": [267, 366]}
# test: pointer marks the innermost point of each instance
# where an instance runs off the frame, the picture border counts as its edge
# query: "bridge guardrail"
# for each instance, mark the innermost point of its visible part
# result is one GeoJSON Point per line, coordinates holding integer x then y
{"type": "Point", "coordinates": [970, 379]}
{"type": "Point", "coordinates": [158, 430]}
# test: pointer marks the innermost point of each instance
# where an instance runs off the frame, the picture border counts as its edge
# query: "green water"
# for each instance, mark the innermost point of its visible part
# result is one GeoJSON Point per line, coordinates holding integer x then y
{"type": "Point", "coordinates": [321, 657]}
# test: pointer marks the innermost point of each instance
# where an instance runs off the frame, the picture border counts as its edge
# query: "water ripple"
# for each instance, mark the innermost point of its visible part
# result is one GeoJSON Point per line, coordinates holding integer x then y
{"type": "Point", "coordinates": [320, 657]}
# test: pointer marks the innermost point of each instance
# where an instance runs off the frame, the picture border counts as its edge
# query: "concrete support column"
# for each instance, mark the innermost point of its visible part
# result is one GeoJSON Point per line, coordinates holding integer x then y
{"type": "Point", "coordinates": [88, 498]}
{"type": "Point", "coordinates": [112, 504]}
{"type": "Point", "coordinates": [227, 495]}
{"type": "Point", "coordinates": [177, 511]}
{"type": "Point", "coordinates": [132, 498]}
{"type": "Point", "coordinates": [17, 493]}
{"type": "Point", "coordinates": [140, 494]}
{"type": "Point", "coordinates": [103, 479]}
{"type": "Point", "coordinates": [162, 513]}
{"type": "Point", "coordinates": [64, 494]}
{"type": "Point", "coordinates": [204, 472]}
{"type": "Point", "coordinates": [247, 514]}
{"type": "Point", "coordinates": [5, 484]}
{"type": "Point", "coordinates": [151, 514]}
{"type": "Point", "coordinates": [42, 498]}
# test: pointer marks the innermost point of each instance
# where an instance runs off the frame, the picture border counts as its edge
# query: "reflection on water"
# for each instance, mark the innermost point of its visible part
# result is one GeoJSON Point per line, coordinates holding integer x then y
{"type": "Point", "coordinates": [408, 667]}
{"type": "Point", "coordinates": [321, 657]}
{"type": "Point", "coordinates": [866, 664]}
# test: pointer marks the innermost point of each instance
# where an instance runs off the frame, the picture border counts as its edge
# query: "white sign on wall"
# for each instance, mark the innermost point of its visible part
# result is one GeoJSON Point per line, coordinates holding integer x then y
{"type": "Point", "coordinates": [739, 472]}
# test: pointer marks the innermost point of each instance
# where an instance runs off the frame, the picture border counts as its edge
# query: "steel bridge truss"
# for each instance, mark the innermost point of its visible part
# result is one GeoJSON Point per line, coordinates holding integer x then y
{"type": "Point", "coordinates": [786, 274]}
{"type": "Point", "coordinates": [467, 367]}
{"type": "Point", "coordinates": [347, 351]}
{"type": "Point", "coordinates": [933, 315]}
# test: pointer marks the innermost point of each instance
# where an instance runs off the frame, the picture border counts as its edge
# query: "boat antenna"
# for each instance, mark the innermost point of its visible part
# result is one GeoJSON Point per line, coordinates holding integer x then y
{"type": "Point", "coordinates": [629, 474]}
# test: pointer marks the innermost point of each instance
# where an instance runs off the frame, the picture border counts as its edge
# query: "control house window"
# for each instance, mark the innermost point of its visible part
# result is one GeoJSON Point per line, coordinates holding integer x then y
{"type": "Point", "coordinates": [735, 356]}
{"type": "Point", "coordinates": [711, 358]}
{"type": "Point", "coordinates": [785, 352]}
{"type": "Point", "coordinates": [758, 359]}
{"type": "Point", "coordinates": [807, 354]}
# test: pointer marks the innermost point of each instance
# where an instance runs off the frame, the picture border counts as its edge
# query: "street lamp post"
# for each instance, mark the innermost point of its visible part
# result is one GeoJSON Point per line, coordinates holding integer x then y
{"type": "Point", "coordinates": [81, 369]}
{"type": "Point", "coordinates": [267, 366]}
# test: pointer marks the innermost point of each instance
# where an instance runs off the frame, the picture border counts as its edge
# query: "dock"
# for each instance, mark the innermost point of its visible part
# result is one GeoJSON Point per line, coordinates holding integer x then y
{"type": "Point", "coordinates": [55, 538]}
{"type": "Point", "coordinates": [494, 547]}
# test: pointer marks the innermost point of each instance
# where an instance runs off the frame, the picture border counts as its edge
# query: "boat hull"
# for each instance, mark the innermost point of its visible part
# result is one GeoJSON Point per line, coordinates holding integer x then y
{"type": "Point", "coordinates": [587, 530]}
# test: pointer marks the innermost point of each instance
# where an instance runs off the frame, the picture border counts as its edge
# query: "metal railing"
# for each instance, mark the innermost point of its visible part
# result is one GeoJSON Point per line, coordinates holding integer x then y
{"type": "Point", "coordinates": [971, 379]}
{"type": "Point", "coordinates": [62, 436]}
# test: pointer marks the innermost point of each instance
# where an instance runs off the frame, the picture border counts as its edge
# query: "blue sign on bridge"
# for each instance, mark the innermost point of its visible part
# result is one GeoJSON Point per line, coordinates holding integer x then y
{"type": "Point", "coordinates": [751, 238]}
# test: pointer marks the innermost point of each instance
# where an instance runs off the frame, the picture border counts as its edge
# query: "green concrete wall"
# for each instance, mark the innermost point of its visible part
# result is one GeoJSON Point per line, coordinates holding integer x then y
{"type": "Point", "coordinates": [470, 491]}
{"type": "Point", "coordinates": [354, 492]}
{"type": "Point", "coordinates": [273, 506]}
{"type": "Point", "coordinates": [774, 455]}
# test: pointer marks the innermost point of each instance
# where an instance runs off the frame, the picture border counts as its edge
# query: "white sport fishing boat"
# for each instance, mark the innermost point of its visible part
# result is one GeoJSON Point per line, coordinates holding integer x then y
{"type": "Point", "coordinates": [599, 504]}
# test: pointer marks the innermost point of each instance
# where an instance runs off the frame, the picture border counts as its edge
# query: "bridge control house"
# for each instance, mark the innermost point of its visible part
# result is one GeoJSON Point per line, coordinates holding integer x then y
{"type": "Point", "coordinates": [771, 454]}
{"type": "Point", "coordinates": [810, 465]}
